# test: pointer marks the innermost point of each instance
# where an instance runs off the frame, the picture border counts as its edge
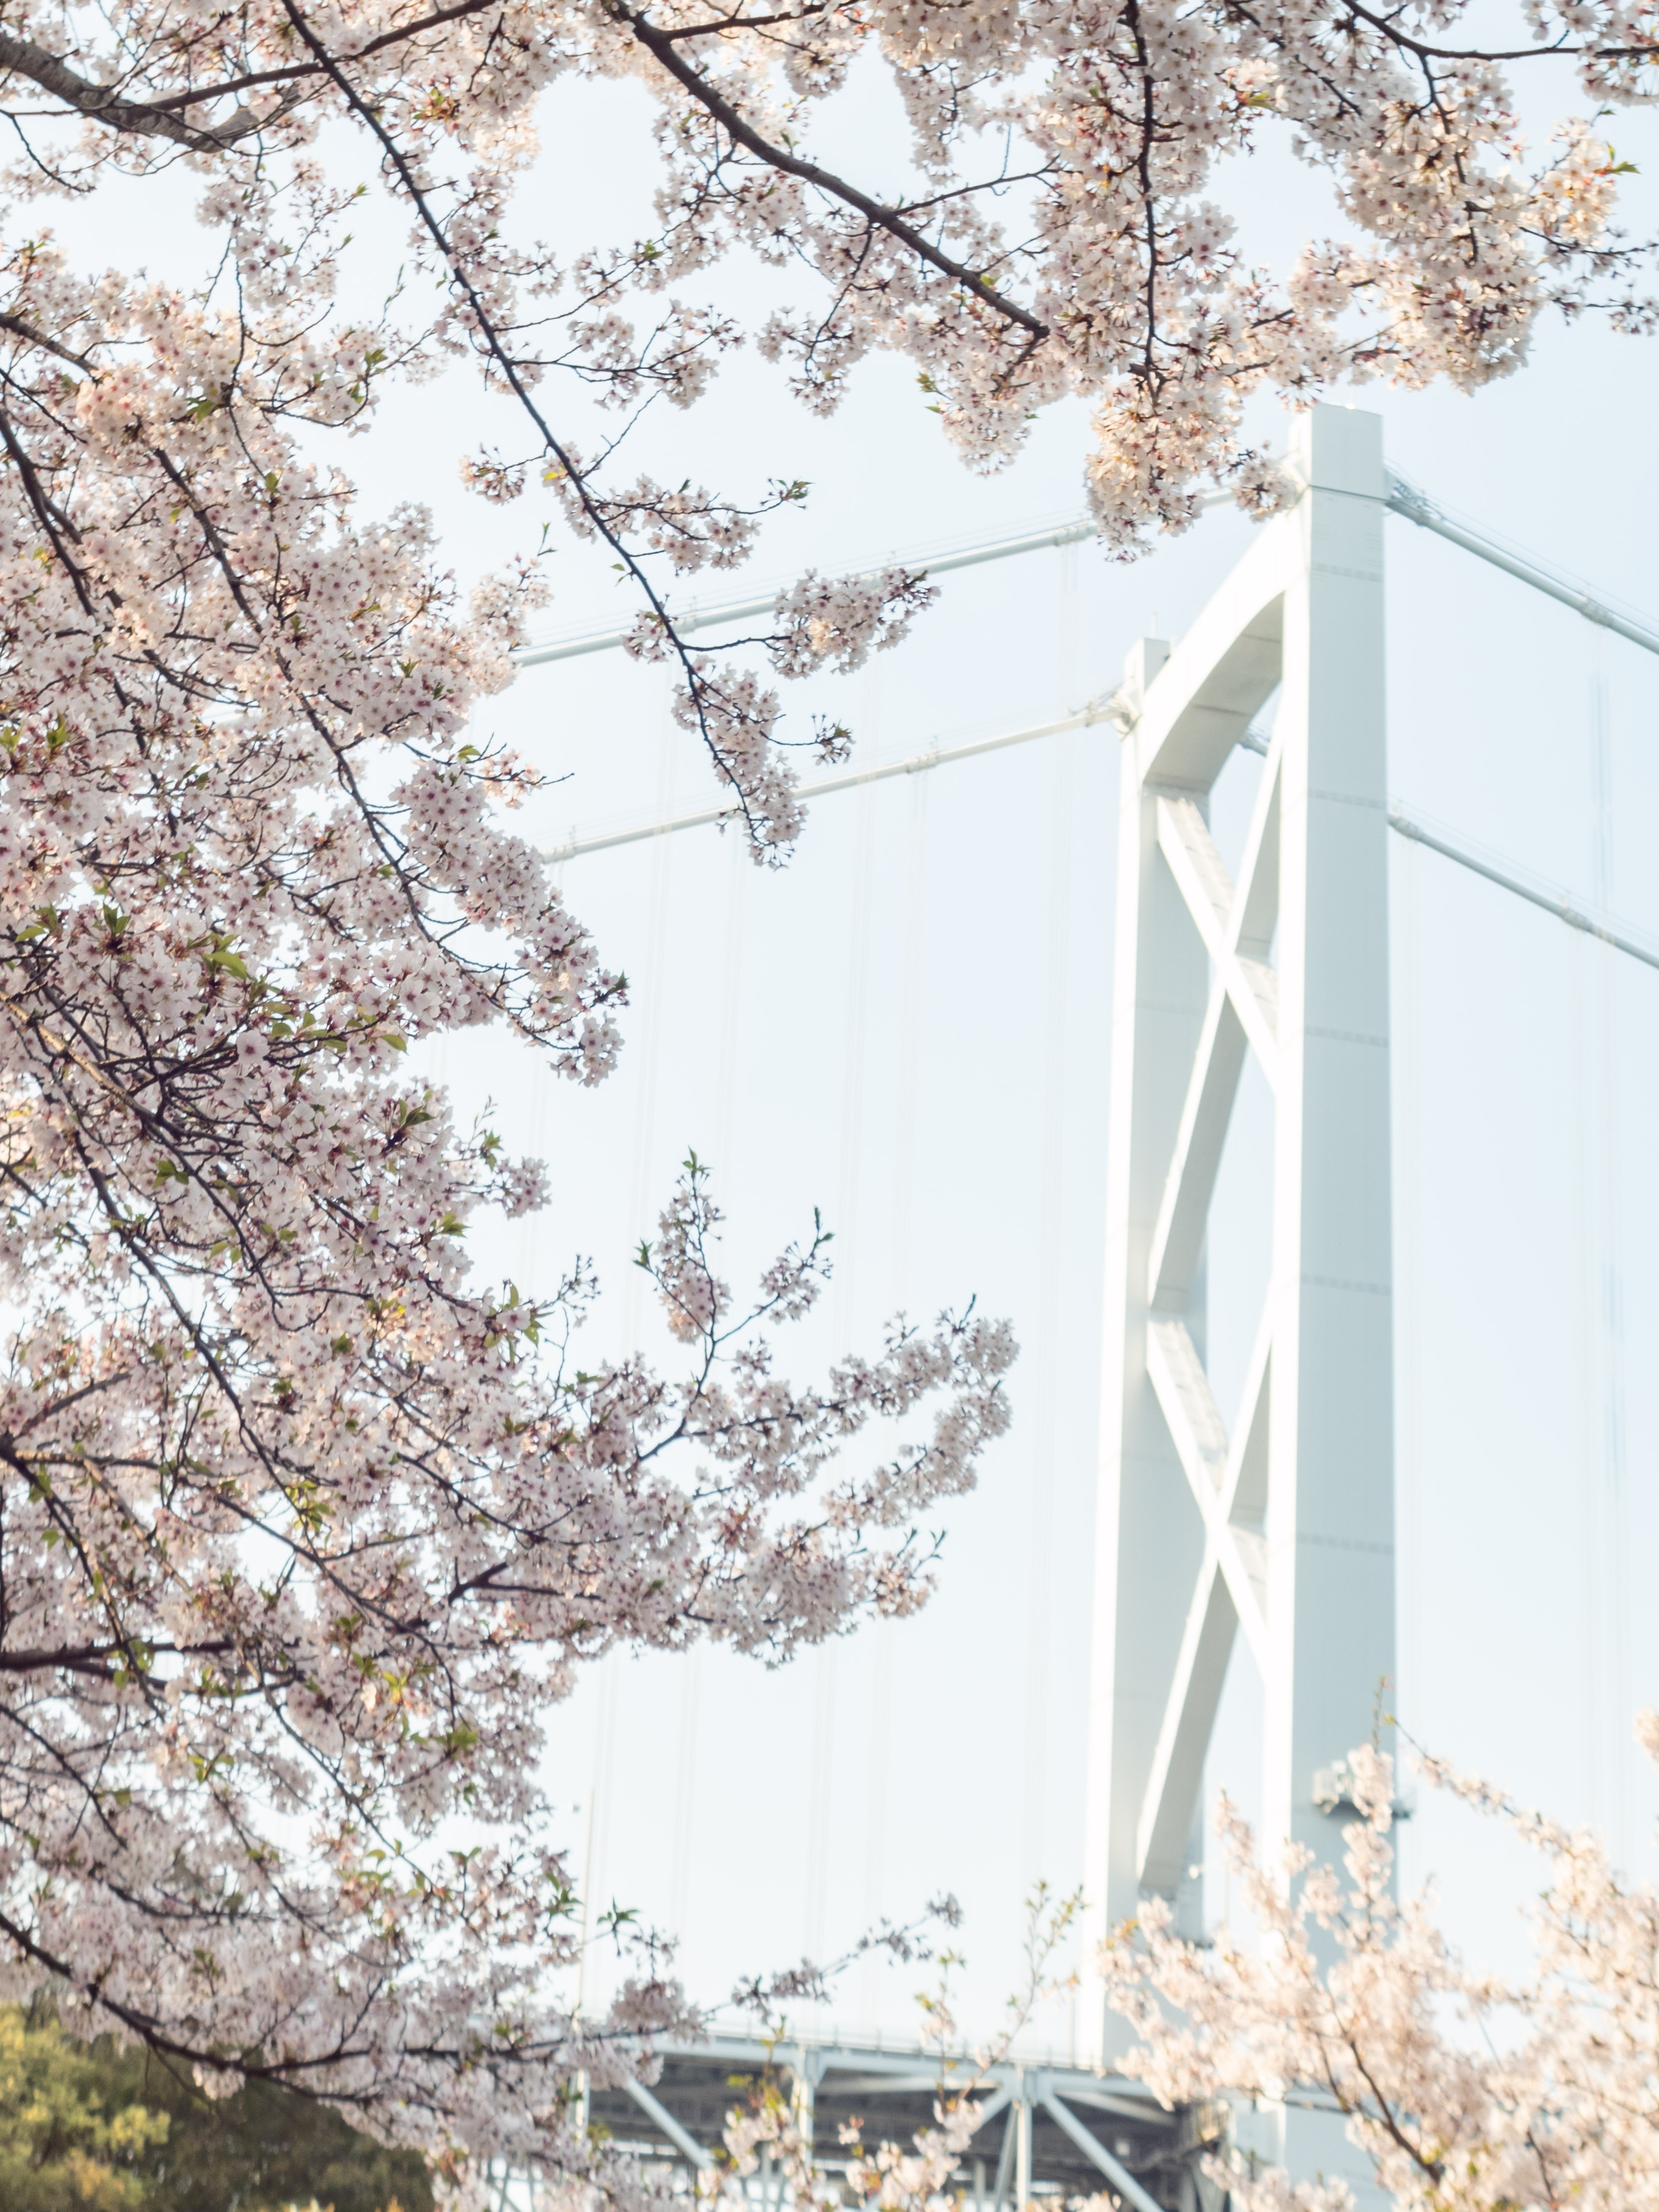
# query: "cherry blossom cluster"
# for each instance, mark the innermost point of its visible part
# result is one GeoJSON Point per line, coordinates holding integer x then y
{"type": "Point", "coordinates": [826, 621]}
{"type": "Point", "coordinates": [302, 1528]}
{"type": "Point", "coordinates": [1464, 2090]}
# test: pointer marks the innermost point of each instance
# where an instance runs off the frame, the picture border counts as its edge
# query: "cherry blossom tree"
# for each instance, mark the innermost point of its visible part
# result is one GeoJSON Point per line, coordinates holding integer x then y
{"type": "Point", "coordinates": [302, 1531]}
{"type": "Point", "coordinates": [301, 1527]}
{"type": "Point", "coordinates": [1464, 2090]}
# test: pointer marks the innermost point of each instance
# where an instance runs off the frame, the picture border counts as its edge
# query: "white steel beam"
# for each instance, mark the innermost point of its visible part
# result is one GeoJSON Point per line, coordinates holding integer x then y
{"type": "Point", "coordinates": [1005, 2160]}
{"type": "Point", "coordinates": [1177, 1770]}
{"type": "Point", "coordinates": [1211, 1467]}
{"type": "Point", "coordinates": [988, 2106]}
{"type": "Point", "coordinates": [1287, 1525]}
{"type": "Point", "coordinates": [1096, 2151]}
{"type": "Point", "coordinates": [659, 2116]}
{"type": "Point", "coordinates": [1219, 674]}
{"type": "Point", "coordinates": [1201, 876]}
{"type": "Point", "coordinates": [1233, 1585]}
{"type": "Point", "coordinates": [1177, 1239]}
{"type": "Point", "coordinates": [1330, 1446]}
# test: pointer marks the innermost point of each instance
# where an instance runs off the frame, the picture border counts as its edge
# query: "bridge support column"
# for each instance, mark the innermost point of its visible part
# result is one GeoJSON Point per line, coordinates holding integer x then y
{"type": "Point", "coordinates": [1283, 1524]}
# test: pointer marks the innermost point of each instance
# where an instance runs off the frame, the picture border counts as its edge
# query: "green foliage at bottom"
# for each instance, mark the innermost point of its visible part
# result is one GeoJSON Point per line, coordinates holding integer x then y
{"type": "Point", "coordinates": [101, 2127]}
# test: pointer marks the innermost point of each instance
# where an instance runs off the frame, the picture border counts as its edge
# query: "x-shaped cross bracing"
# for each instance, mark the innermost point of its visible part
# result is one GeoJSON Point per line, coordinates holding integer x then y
{"type": "Point", "coordinates": [1228, 1481]}
{"type": "Point", "coordinates": [1284, 1528]}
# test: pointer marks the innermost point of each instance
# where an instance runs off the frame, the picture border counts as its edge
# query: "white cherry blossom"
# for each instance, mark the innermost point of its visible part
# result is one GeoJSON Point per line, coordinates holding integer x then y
{"type": "Point", "coordinates": [1465, 2089]}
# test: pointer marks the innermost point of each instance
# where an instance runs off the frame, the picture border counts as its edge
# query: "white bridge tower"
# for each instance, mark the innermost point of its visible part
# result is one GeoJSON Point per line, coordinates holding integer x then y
{"type": "Point", "coordinates": [1283, 1527]}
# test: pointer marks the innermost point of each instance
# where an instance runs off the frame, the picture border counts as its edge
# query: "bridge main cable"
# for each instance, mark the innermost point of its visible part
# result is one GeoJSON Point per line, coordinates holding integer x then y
{"type": "Point", "coordinates": [1403, 499]}
{"type": "Point", "coordinates": [970, 556]}
{"type": "Point", "coordinates": [1611, 929]}
{"type": "Point", "coordinates": [937, 755]}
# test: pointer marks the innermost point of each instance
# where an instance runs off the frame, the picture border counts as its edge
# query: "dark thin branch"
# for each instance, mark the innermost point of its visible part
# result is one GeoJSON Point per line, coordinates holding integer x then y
{"type": "Point", "coordinates": [725, 23]}
{"type": "Point", "coordinates": [1557, 49]}
{"type": "Point", "coordinates": [22, 57]}
{"type": "Point", "coordinates": [96, 1658]}
{"type": "Point", "coordinates": [659, 45]}
{"type": "Point", "coordinates": [398, 165]}
{"type": "Point", "coordinates": [28, 332]}
{"type": "Point", "coordinates": [287, 75]}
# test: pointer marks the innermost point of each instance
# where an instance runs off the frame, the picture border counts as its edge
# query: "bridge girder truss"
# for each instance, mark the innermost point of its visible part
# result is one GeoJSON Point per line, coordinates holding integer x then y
{"type": "Point", "coordinates": [1048, 2134]}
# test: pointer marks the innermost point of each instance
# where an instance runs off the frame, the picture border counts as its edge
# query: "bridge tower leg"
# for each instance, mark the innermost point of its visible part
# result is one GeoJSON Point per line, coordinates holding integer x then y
{"type": "Point", "coordinates": [1284, 1527]}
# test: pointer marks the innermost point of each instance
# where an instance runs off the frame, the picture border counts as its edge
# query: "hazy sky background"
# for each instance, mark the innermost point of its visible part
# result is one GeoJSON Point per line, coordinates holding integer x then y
{"type": "Point", "coordinates": [908, 1026]}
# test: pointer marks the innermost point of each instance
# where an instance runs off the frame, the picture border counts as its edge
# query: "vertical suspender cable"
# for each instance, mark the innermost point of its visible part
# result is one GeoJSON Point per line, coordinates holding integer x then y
{"type": "Point", "coordinates": [820, 1798]}
{"type": "Point", "coordinates": [606, 1717]}
{"type": "Point", "coordinates": [739, 869]}
{"type": "Point", "coordinates": [1604, 1221]}
{"type": "Point", "coordinates": [1039, 1492]}
{"type": "Point", "coordinates": [1408, 1485]}
{"type": "Point", "coordinates": [642, 1196]}
{"type": "Point", "coordinates": [904, 1137]}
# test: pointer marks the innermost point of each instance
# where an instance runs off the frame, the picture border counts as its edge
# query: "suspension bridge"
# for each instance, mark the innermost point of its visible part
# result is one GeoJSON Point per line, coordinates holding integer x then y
{"type": "Point", "coordinates": [1271, 1529]}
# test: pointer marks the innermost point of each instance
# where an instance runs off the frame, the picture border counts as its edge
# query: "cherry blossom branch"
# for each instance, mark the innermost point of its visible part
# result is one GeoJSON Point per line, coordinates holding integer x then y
{"type": "Point", "coordinates": [1347, 1992]}
{"type": "Point", "coordinates": [743, 133]}
{"type": "Point", "coordinates": [698, 690]}
{"type": "Point", "coordinates": [434, 20]}
{"type": "Point", "coordinates": [1549, 50]}
{"type": "Point", "coordinates": [20, 56]}
{"type": "Point", "coordinates": [725, 24]}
